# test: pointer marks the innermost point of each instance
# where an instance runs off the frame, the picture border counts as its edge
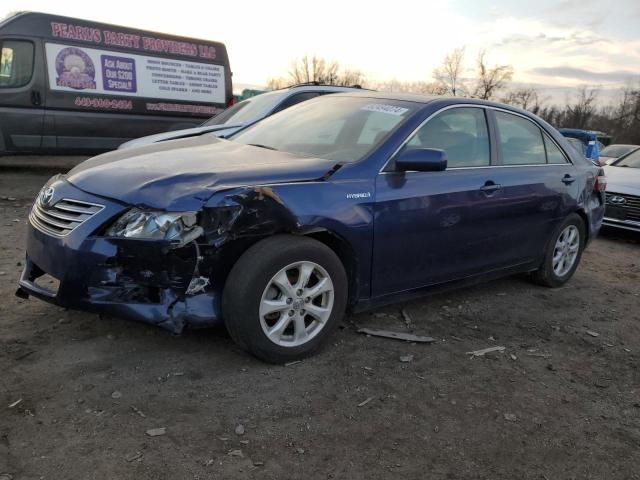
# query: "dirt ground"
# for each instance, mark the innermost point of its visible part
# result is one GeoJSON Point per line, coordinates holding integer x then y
{"type": "Point", "coordinates": [78, 393]}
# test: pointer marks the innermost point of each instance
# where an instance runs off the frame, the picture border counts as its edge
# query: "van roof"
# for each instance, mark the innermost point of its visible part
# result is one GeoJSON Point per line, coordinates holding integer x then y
{"type": "Point", "coordinates": [38, 24]}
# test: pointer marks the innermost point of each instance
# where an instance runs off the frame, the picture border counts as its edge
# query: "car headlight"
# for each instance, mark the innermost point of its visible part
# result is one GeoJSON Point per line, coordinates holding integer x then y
{"type": "Point", "coordinates": [178, 228]}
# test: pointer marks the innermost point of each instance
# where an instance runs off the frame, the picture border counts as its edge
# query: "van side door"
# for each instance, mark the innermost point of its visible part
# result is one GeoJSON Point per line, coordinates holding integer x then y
{"type": "Point", "coordinates": [21, 94]}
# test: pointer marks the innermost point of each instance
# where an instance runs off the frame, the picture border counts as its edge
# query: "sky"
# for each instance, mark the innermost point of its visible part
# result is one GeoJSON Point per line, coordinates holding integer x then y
{"type": "Point", "coordinates": [554, 45]}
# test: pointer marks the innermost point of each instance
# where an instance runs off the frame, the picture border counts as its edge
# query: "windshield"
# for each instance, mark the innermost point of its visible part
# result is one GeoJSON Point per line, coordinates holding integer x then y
{"type": "Point", "coordinates": [248, 110]}
{"type": "Point", "coordinates": [632, 160]}
{"type": "Point", "coordinates": [344, 129]}
{"type": "Point", "coordinates": [616, 151]}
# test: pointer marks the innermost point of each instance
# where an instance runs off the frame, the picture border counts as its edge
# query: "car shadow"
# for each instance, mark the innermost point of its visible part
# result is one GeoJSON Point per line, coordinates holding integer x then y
{"type": "Point", "coordinates": [620, 235]}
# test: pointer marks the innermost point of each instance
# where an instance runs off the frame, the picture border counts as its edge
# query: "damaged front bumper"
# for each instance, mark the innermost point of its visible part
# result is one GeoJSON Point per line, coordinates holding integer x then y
{"type": "Point", "coordinates": [143, 280]}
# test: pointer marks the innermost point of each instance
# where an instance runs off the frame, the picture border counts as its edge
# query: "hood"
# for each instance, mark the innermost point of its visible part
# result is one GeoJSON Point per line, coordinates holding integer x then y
{"type": "Point", "coordinates": [177, 134]}
{"type": "Point", "coordinates": [183, 174]}
{"type": "Point", "coordinates": [623, 180]}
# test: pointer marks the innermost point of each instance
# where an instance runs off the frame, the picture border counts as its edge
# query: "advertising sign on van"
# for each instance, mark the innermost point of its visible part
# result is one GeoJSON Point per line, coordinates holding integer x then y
{"type": "Point", "coordinates": [75, 69]}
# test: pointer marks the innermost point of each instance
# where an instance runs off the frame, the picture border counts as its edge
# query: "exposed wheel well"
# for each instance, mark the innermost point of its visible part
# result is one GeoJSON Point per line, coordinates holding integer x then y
{"type": "Point", "coordinates": [231, 253]}
{"type": "Point", "coordinates": [347, 256]}
{"type": "Point", "coordinates": [585, 219]}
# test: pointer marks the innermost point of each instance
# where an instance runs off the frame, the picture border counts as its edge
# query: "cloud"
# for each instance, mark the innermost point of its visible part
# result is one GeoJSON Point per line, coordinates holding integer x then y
{"type": "Point", "coordinates": [540, 52]}
{"type": "Point", "coordinates": [582, 74]}
{"type": "Point", "coordinates": [542, 40]}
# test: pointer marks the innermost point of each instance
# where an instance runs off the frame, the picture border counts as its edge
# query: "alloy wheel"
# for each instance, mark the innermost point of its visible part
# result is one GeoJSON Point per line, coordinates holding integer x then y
{"type": "Point", "coordinates": [296, 304]}
{"type": "Point", "coordinates": [566, 250]}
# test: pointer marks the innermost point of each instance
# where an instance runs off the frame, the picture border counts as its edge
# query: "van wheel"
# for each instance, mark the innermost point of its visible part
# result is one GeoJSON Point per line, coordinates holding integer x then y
{"type": "Point", "coordinates": [563, 253]}
{"type": "Point", "coordinates": [284, 297]}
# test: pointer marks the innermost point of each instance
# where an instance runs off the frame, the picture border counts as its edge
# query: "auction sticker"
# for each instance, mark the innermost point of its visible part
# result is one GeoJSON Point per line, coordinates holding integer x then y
{"type": "Point", "coordinates": [382, 108]}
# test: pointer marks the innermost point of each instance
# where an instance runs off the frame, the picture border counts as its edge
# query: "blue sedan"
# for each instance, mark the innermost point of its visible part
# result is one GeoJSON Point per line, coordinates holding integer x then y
{"type": "Point", "coordinates": [340, 203]}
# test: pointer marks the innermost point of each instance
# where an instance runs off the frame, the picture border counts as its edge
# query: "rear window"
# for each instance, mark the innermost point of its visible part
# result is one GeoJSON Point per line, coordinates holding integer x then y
{"type": "Point", "coordinates": [16, 63]}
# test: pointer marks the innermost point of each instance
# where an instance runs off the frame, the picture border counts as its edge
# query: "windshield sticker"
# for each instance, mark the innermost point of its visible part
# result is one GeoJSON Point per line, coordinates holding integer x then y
{"type": "Point", "coordinates": [382, 108]}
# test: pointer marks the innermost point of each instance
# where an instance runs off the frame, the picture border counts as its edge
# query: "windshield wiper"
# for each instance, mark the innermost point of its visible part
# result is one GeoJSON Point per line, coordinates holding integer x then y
{"type": "Point", "coordinates": [262, 146]}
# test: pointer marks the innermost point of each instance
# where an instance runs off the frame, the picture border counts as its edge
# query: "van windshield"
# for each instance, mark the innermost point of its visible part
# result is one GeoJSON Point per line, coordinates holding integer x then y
{"type": "Point", "coordinates": [344, 129]}
{"type": "Point", "coordinates": [248, 110]}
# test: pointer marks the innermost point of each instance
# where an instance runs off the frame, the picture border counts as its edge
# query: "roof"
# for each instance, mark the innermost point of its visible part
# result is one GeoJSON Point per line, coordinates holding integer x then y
{"type": "Point", "coordinates": [440, 99]}
{"type": "Point", "coordinates": [582, 132]}
{"type": "Point", "coordinates": [321, 87]}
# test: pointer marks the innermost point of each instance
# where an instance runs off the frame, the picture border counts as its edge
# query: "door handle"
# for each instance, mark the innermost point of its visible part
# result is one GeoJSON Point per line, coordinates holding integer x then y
{"type": "Point", "coordinates": [35, 97]}
{"type": "Point", "coordinates": [568, 179]}
{"type": "Point", "coordinates": [490, 188]}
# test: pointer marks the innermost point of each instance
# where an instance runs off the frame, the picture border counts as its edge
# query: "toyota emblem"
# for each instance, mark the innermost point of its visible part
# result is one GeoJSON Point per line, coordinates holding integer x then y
{"type": "Point", "coordinates": [46, 196]}
{"type": "Point", "coordinates": [617, 200]}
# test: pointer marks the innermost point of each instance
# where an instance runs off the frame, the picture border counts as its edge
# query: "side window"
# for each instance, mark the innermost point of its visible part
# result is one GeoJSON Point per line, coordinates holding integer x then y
{"type": "Point", "coordinates": [554, 154]}
{"type": "Point", "coordinates": [295, 99]}
{"type": "Point", "coordinates": [16, 63]}
{"type": "Point", "coordinates": [461, 132]}
{"type": "Point", "coordinates": [520, 140]}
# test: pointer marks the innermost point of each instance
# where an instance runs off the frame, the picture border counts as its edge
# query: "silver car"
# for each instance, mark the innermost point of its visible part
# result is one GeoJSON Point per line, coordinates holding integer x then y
{"type": "Point", "coordinates": [611, 153]}
{"type": "Point", "coordinates": [623, 192]}
{"type": "Point", "coordinates": [245, 113]}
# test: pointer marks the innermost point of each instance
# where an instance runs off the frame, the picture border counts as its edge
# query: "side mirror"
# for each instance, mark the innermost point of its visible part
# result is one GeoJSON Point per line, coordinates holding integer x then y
{"type": "Point", "coordinates": [422, 160]}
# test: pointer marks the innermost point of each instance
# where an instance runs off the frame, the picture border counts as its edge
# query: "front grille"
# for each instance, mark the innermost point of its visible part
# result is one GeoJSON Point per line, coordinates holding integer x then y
{"type": "Point", "coordinates": [629, 209]}
{"type": "Point", "coordinates": [62, 218]}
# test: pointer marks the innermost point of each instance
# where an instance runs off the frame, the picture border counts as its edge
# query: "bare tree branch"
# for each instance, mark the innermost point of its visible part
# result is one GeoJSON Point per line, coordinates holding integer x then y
{"type": "Point", "coordinates": [318, 70]}
{"type": "Point", "coordinates": [490, 79]}
{"type": "Point", "coordinates": [448, 75]}
{"type": "Point", "coordinates": [526, 98]}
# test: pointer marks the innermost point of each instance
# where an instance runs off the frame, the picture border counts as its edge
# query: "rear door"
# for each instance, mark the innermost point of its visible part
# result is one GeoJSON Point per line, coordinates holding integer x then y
{"type": "Point", "coordinates": [537, 181]}
{"type": "Point", "coordinates": [21, 95]}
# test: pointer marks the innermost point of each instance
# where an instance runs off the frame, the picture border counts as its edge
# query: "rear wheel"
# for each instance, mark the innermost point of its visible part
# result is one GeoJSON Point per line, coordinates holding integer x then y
{"type": "Point", "coordinates": [563, 253]}
{"type": "Point", "coordinates": [284, 297]}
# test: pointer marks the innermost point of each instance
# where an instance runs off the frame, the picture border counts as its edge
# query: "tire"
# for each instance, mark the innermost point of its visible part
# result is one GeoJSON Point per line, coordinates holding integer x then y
{"type": "Point", "coordinates": [256, 285]}
{"type": "Point", "coordinates": [550, 274]}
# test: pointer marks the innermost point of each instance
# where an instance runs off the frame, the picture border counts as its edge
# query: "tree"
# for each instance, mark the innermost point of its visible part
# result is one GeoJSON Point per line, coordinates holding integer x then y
{"type": "Point", "coordinates": [490, 79]}
{"type": "Point", "coordinates": [580, 113]}
{"type": "Point", "coordinates": [625, 116]}
{"type": "Point", "coordinates": [317, 70]}
{"type": "Point", "coordinates": [448, 75]}
{"type": "Point", "coordinates": [526, 98]}
{"type": "Point", "coordinates": [276, 83]}
{"type": "Point", "coordinates": [424, 88]}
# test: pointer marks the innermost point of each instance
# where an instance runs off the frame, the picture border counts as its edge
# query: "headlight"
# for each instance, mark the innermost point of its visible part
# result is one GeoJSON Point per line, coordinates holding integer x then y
{"type": "Point", "coordinates": [178, 228]}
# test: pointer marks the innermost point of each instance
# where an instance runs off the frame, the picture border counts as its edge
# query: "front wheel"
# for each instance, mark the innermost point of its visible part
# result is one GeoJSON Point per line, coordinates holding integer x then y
{"type": "Point", "coordinates": [563, 253]}
{"type": "Point", "coordinates": [284, 297]}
